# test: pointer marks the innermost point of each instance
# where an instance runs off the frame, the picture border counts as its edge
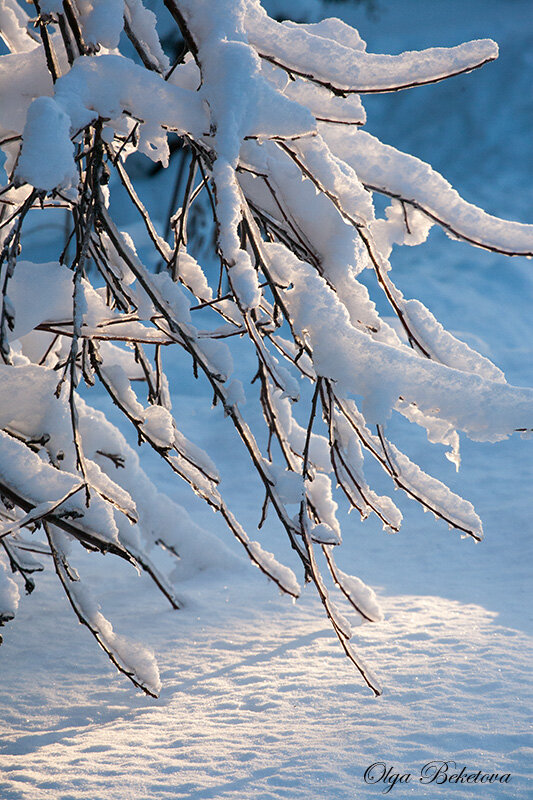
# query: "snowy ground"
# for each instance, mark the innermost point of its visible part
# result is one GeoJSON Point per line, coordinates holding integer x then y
{"type": "Point", "coordinates": [258, 701]}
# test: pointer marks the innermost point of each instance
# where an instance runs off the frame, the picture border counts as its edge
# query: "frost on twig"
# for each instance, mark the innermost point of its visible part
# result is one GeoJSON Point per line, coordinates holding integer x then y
{"type": "Point", "coordinates": [268, 117]}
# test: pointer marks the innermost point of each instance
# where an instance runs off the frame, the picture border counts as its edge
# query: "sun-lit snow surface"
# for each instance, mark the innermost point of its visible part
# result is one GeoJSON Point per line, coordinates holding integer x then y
{"type": "Point", "coordinates": [249, 707]}
{"type": "Point", "coordinates": [252, 710]}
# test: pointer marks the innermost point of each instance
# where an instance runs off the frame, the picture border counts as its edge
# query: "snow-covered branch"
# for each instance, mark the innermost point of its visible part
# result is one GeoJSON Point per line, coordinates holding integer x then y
{"type": "Point", "coordinates": [268, 117]}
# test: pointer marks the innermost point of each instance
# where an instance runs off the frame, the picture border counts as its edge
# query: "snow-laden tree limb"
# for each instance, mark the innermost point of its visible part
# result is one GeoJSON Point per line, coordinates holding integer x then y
{"type": "Point", "coordinates": [268, 116]}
